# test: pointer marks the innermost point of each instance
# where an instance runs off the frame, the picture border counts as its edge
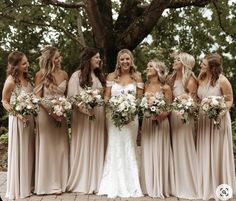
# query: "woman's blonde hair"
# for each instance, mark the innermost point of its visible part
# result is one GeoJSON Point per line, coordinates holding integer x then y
{"type": "Point", "coordinates": [133, 68]}
{"type": "Point", "coordinates": [46, 64]}
{"type": "Point", "coordinates": [160, 68]}
{"type": "Point", "coordinates": [188, 63]}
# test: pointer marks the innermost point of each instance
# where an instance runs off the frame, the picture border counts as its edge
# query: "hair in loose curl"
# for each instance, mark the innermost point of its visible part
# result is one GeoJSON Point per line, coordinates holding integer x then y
{"type": "Point", "coordinates": [133, 72]}
{"type": "Point", "coordinates": [85, 68]}
{"type": "Point", "coordinates": [215, 63]}
{"type": "Point", "coordinates": [14, 58]}
{"type": "Point", "coordinates": [160, 68]}
{"type": "Point", "coordinates": [188, 63]}
{"type": "Point", "coordinates": [46, 64]}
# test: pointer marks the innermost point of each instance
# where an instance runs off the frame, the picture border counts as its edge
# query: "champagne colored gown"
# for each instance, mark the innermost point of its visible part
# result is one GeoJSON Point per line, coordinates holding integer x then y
{"type": "Point", "coordinates": [214, 149]}
{"type": "Point", "coordinates": [52, 148]}
{"type": "Point", "coordinates": [157, 158]}
{"type": "Point", "coordinates": [87, 143]}
{"type": "Point", "coordinates": [184, 152]}
{"type": "Point", "coordinates": [21, 141]}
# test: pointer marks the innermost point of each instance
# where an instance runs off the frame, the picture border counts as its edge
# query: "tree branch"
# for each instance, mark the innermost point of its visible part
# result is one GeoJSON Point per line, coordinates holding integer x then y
{"type": "Point", "coordinates": [58, 28]}
{"type": "Point", "coordinates": [129, 11]}
{"type": "Point", "coordinates": [220, 19]}
{"type": "Point", "coordinates": [80, 32]}
{"type": "Point", "coordinates": [143, 25]}
{"type": "Point", "coordinates": [95, 18]}
{"type": "Point", "coordinates": [63, 4]}
{"type": "Point", "coordinates": [184, 3]}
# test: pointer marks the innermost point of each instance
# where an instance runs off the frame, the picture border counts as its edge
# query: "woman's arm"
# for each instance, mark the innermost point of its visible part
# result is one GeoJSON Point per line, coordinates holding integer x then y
{"type": "Point", "coordinates": [192, 87]}
{"type": "Point", "coordinates": [227, 91]}
{"type": "Point", "coordinates": [107, 93]}
{"type": "Point", "coordinates": [140, 86]}
{"type": "Point", "coordinates": [8, 88]}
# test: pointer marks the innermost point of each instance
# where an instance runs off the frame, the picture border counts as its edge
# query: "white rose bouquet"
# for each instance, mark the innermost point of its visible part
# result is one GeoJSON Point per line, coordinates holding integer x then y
{"type": "Point", "coordinates": [214, 107]}
{"type": "Point", "coordinates": [25, 104]}
{"type": "Point", "coordinates": [59, 105]}
{"type": "Point", "coordinates": [123, 108]}
{"type": "Point", "coordinates": [88, 98]}
{"type": "Point", "coordinates": [152, 105]}
{"type": "Point", "coordinates": [185, 107]}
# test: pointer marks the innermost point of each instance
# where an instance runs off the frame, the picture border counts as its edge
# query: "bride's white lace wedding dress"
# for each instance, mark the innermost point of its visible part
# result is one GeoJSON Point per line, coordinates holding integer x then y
{"type": "Point", "coordinates": [121, 175]}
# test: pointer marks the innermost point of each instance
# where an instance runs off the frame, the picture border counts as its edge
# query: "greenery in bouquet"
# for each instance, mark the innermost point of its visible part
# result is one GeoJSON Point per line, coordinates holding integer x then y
{"type": "Point", "coordinates": [214, 107]}
{"type": "Point", "coordinates": [185, 107]}
{"type": "Point", "coordinates": [123, 108]}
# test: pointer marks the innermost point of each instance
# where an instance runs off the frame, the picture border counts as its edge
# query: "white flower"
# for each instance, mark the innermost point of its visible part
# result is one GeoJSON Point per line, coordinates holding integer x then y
{"type": "Point", "coordinates": [153, 109]}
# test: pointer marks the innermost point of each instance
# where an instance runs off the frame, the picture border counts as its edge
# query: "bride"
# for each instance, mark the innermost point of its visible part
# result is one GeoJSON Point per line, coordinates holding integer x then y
{"type": "Point", "coordinates": [120, 174]}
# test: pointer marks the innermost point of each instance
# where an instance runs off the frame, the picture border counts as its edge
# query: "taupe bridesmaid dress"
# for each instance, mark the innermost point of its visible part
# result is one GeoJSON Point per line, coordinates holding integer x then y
{"type": "Point", "coordinates": [87, 144]}
{"type": "Point", "coordinates": [52, 148]}
{"type": "Point", "coordinates": [157, 160]}
{"type": "Point", "coordinates": [184, 152]}
{"type": "Point", "coordinates": [214, 149]}
{"type": "Point", "coordinates": [21, 141]}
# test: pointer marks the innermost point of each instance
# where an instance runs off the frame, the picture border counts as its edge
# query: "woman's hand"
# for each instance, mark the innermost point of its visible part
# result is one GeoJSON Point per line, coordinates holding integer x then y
{"type": "Point", "coordinates": [56, 117]}
{"type": "Point", "coordinates": [24, 119]}
{"type": "Point", "coordinates": [160, 117]}
{"type": "Point", "coordinates": [89, 112]}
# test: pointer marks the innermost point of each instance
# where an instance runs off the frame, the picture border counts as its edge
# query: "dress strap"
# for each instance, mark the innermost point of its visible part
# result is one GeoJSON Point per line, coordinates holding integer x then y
{"type": "Point", "coordinates": [140, 85]}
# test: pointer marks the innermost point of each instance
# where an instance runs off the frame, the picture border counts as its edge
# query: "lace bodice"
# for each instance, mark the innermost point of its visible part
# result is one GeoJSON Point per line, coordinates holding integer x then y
{"type": "Point", "coordinates": [117, 89]}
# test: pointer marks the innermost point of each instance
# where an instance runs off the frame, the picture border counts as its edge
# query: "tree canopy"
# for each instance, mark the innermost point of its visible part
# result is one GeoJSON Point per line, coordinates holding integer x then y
{"type": "Point", "coordinates": [152, 28]}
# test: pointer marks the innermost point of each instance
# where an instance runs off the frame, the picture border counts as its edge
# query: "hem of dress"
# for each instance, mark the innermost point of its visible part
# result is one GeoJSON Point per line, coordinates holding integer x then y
{"type": "Point", "coordinates": [50, 192]}
{"type": "Point", "coordinates": [18, 196]}
{"type": "Point", "coordinates": [121, 196]}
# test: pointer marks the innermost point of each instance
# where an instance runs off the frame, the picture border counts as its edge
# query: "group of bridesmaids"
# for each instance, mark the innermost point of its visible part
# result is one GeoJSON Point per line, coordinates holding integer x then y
{"type": "Point", "coordinates": [176, 159]}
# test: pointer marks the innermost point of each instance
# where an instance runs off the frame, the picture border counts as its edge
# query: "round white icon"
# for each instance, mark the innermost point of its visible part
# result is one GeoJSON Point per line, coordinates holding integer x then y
{"type": "Point", "coordinates": [224, 192]}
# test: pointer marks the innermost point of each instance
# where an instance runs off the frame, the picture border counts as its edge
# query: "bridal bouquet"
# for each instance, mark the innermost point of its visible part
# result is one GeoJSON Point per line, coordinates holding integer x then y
{"type": "Point", "coordinates": [25, 104]}
{"type": "Point", "coordinates": [58, 105]}
{"type": "Point", "coordinates": [152, 105]}
{"type": "Point", "coordinates": [123, 108]}
{"type": "Point", "coordinates": [185, 107]}
{"type": "Point", "coordinates": [88, 98]}
{"type": "Point", "coordinates": [214, 107]}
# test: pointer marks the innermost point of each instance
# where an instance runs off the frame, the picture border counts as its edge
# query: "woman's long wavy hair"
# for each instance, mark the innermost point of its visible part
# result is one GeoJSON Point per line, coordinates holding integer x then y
{"type": "Point", "coordinates": [215, 63]}
{"type": "Point", "coordinates": [133, 72]}
{"type": "Point", "coordinates": [47, 66]}
{"type": "Point", "coordinates": [14, 58]}
{"type": "Point", "coordinates": [188, 63]}
{"type": "Point", "coordinates": [85, 68]}
{"type": "Point", "coordinates": [161, 70]}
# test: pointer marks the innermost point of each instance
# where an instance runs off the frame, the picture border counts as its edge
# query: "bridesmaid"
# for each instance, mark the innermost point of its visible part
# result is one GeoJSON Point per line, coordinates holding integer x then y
{"type": "Point", "coordinates": [184, 83]}
{"type": "Point", "coordinates": [88, 136]}
{"type": "Point", "coordinates": [214, 146]}
{"type": "Point", "coordinates": [157, 159]}
{"type": "Point", "coordinates": [21, 137]}
{"type": "Point", "coordinates": [52, 145]}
